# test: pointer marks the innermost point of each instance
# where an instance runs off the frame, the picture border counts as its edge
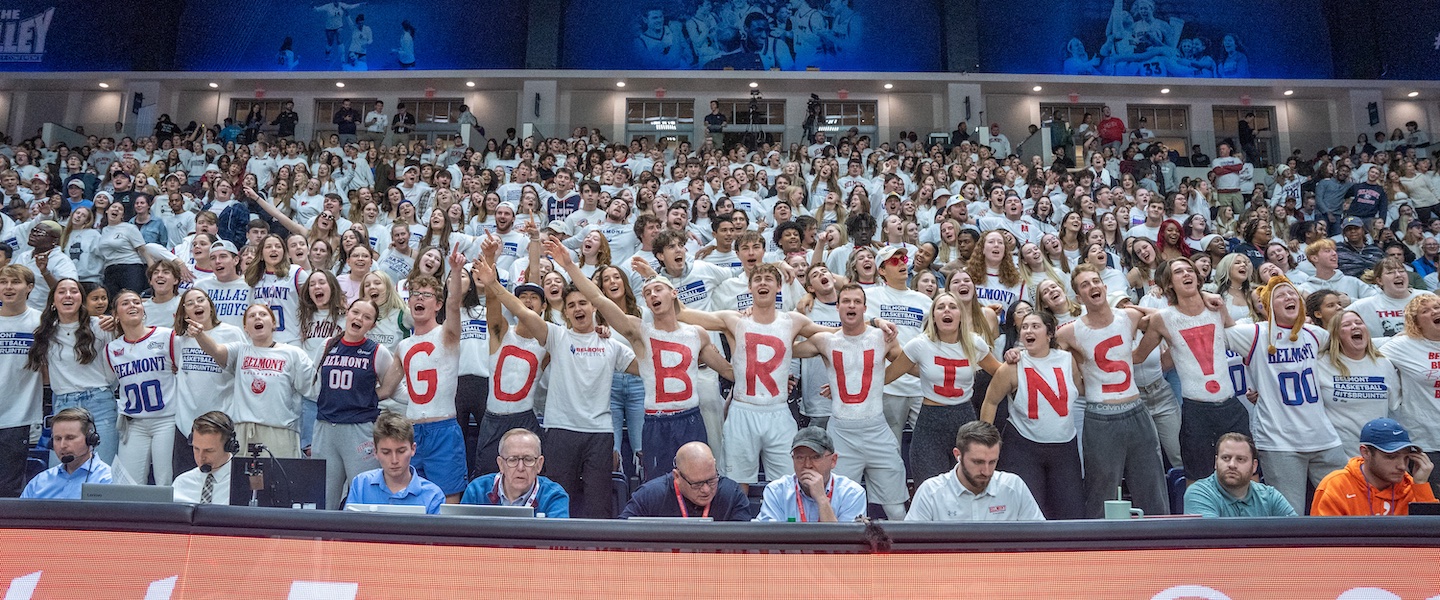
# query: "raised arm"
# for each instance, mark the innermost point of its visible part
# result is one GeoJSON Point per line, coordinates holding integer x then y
{"type": "Point", "coordinates": [626, 325]}
{"type": "Point", "coordinates": [710, 321]}
{"type": "Point", "coordinates": [530, 324]}
{"type": "Point", "coordinates": [270, 209]}
{"type": "Point", "coordinates": [456, 296]}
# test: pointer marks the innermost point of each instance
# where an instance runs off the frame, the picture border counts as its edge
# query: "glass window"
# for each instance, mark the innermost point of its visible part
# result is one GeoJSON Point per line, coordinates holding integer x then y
{"type": "Point", "coordinates": [1169, 122]}
{"type": "Point", "coordinates": [767, 112]}
{"type": "Point", "coordinates": [434, 110]}
{"type": "Point", "coordinates": [239, 109]}
{"type": "Point", "coordinates": [660, 114]}
{"type": "Point", "coordinates": [843, 114]}
{"type": "Point", "coordinates": [1227, 128]}
{"type": "Point", "coordinates": [325, 109]}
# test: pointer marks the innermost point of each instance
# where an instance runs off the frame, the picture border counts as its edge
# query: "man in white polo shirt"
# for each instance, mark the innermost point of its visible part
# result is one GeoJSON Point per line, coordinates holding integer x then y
{"type": "Point", "coordinates": [974, 490]}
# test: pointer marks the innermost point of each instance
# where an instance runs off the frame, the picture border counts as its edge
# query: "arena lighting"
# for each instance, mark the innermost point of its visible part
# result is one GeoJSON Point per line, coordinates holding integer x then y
{"type": "Point", "coordinates": [104, 85]}
{"type": "Point", "coordinates": [1289, 92]}
{"type": "Point", "coordinates": [469, 84]}
{"type": "Point", "coordinates": [339, 84]}
{"type": "Point", "coordinates": [754, 84]}
{"type": "Point", "coordinates": [1036, 88]}
{"type": "Point", "coordinates": [889, 86]}
{"type": "Point", "coordinates": [1413, 94]}
{"type": "Point", "coordinates": [214, 85]}
{"type": "Point", "coordinates": [620, 84]}
{"type": "Point", "coordinates": [1164, 90]}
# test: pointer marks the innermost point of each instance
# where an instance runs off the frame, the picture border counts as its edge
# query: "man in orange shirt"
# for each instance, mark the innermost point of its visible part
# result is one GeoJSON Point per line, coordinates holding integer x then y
{"type": "Point", "coordinates": [1390, 473]}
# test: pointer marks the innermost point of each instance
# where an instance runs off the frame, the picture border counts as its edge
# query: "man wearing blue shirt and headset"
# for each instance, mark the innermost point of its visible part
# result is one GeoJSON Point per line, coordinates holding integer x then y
{"type": "Point", "coordinates": [395, 482]}
{"type": "Point", "coordinates": [73, 439]}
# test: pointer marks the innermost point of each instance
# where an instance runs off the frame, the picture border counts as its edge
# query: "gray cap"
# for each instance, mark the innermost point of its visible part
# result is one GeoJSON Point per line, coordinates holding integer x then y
{"type": "Point", "coordinates": [814, 438]}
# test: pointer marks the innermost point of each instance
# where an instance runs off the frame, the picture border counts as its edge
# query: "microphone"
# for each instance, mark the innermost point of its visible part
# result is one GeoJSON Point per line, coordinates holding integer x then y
{"type": "Point", "coordinates": [206, 469]}
{"type": "Point", "coordinates": [67, 459]}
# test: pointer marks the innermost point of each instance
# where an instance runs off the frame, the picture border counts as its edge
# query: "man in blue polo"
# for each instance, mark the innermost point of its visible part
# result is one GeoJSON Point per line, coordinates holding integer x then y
{"type": "Point", "coordinates": [395, 482]}
{"type": "Point", "coordinates": [1229, 491]}
{"type": "Point", "coordinates": [73, 439]}
{"type": "Point", "coordinates": [813, 493]}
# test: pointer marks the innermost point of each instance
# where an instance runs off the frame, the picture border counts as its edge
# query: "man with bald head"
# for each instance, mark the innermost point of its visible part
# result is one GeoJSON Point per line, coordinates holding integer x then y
{"type": "Point", "coordinates": [694, 488]}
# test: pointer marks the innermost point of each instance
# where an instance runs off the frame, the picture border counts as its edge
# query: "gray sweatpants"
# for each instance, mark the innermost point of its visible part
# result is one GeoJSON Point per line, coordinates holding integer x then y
{"type": "Point", "coordinates": [1164, 409]}
{"type": "Point", "coordinates": [348, 449]}
{"type": "Point", "coordinates": [1288, 472]}
{"type": "Point", "coordinates": [1121, 445]}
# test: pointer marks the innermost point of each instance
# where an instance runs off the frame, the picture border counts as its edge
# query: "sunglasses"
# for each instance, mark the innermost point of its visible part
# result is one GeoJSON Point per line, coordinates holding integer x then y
{"type": "Point", "coordinates": [897, 260]}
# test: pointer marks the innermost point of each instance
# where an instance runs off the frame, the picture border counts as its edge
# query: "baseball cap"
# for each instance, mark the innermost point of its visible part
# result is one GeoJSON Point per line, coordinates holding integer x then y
{"type": "Point", "coordinates": [560, 227]}
{"type": "Point", "coordinates": [814, 438]}
{"type": "Point", "coordinates": [40, 175]}
{"type": "Point", "coordinates": [533, 288]}
{"type": "Point", "coordinates": [76, 183]}
{"type": "Point", "coordinates": [1352, 222]}
{"type": "Point", "coordinates": [940, 192]}
{"type": "Point", "coordinates": [127, 175]}
{"type": "Point", "coordinates": [889, 251]}
{"type": "Point", "coordinates": [1385, 435]}
{"type": "Point", "coordinates": [51, 226]}
{"type": "Point", "coordinates": [508, 204]}
{"type": "Point", "coordinates": [660, 280]}
{"type": "Point", "coordinates": [225, 245]}
{"type": "Point", "coordinates": [409, 168]}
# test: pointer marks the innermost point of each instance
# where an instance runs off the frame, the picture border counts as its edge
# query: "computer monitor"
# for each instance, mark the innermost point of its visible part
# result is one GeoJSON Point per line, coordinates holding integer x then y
{"type": "Point", "coordinates": [1425, 508]}
{"type": "Point", "coordinates": [285, 482]}
{"type": "Point", "coordinates": [404, 509]}
{"type": "Point", "coordinates": [109, 492]}
{"type": "Point", "coordinates": [479, 510]}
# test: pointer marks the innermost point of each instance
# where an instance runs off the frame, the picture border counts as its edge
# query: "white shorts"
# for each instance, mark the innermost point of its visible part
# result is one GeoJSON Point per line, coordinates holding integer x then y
{"type": "Point", "coordinates": [868, 447]}
{"type": "Point", "coordinates": [754, 433]}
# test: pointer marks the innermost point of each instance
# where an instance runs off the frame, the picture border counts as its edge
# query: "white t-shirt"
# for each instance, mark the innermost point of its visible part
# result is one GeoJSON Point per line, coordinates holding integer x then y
{"type": "Point", "coordinates": [1288, 416]}
{"type": "Point", "coordinates": [282, 294]}
{"type": "Point", "coordinates": [857, 373]}
{"type": "Point", "coordinates": [516, 369]}
{"type": "Point", "coordinates": [22, 386]}
{"type": "Point", "coordinates": [145, 370]}
{"type": "Point", "coordinates": [906, 309]}
{"type": "Point", "coordinates": [231, 298]}
{"type": "Point", "coordinates": [947, 375]}
{"type": "Point", "coordinates": [1384, 316]}
{"type": "Point", "coordinates": [431, 374]}
{"type": "Point", "coordinates": [1370, 391]}
{"type": "Point", "coordinates": [1418, 360]}
{"type": "Point", "coordinates": [761, 360]}
{"type": "Point", "coordinates": [580, 399]}
{"type": "Point", "coordinates": [671, 367]}
{"type": "Point", "coordinates": [204, 384]}
{"type": "Point", "coordinates": [269, 383]}
{"type": "Point", "coordinates": [67, 375]}
{"type": "Point", "coordinates": [60, 266]}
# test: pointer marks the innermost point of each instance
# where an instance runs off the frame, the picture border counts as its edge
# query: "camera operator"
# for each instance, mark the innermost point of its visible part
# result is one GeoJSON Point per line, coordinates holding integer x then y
{"type": "Point", "coordinates": [812, 123]}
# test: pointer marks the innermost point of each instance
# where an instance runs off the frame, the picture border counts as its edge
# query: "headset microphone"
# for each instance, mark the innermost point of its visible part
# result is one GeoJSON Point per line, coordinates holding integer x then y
{"type": "Point", "coordinates": [206, 469]}
{"type": "Point", "coordinates": [67, 459]}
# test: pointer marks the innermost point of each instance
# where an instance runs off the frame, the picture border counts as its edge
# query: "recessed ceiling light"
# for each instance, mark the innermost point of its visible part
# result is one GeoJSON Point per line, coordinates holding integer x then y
{"type": "Point", "coordinates": [339, 84]}
{"type": "Point", "coordinates": [889, 86]}
{"type": "Point", "coordinates": [620, 84]}
{"type": "Point", "coordinates": [214, 85]}
{"type": "Point", "coordinates": [469, 84]}
{"type": "Point", "coordinates": [1036, 88]}
{"type": "Point", "coordinates": [1164, 90]}
{"type": "Point", "coordinates": [754, 84]}
{"type": "Point", "coordinates": [104, 85]}
{"type": "Point", "coordinates": [1413, 94]}
{"type": "Point", "coordinates": [1289, 92]}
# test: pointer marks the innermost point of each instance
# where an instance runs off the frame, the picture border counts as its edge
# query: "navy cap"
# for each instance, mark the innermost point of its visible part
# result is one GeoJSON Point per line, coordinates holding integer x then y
{"type": "Point", "coordinates": [1352, 222]}
{"type": "Point", "coordinates": [1385, 435]}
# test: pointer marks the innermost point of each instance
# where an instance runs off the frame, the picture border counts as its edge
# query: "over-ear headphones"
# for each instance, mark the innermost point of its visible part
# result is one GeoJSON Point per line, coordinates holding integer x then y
{"type": "Point", "coordinates": [92, 435]}
{"type": "Point", "coordinates": [232, 444]}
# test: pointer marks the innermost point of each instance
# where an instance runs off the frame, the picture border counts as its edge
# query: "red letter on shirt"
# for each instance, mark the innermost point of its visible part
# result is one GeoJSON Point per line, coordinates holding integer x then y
{"type": "Point", "coordinates": [948, 388]}
{"type": "Point", "coordinates": [679, 371]}
{"type": "Point", "coordinates": [528, 357]}
{"type": "Point", "coordinates": [1112, 366]}
{"type": "Point", "coordinates": [867, 375]}
{"type": "Point", "coordinates": [755, 369]}
{"type": "Point", "coordinates": [427, 376]}
{"type": "Point", "coordinates": [1038, 387]}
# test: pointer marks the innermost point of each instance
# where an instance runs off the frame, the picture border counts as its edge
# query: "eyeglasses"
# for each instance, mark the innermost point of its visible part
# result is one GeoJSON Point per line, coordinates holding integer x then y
{"type": "Point", "coordinates": [700, 485]}
{"type": "Point", "coordinates": [898, 260]}
{"type": "Point", "coordinates": [514, 461]}
{"type": "Point", "coordinates": [423, 295]}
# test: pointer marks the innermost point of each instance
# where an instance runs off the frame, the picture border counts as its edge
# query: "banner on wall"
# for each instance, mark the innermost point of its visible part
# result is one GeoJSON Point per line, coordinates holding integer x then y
{"type": "Point", "coordinates": [64, 35]}
{"type": "Point", "coordinates": [164, 566]}
{"type": "Point", "coordinates": [1157, 38]}
{"type": "Point", "coordinates": [760, 35]}
{"type": "Point", "coordinates": [300, 35]}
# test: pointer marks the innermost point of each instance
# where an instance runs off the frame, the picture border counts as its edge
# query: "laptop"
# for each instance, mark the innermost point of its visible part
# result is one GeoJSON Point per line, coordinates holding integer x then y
{"type": "Point", "coordinates": [403, 509]}
{"type": "Point", "coordinates": [111, 492]}
{"type": "Point", "coordinates": [477, 510]}
{"type": "Point", "coordinates": [675, 519]}
{"type": "Point", "coordinates": [1427, 509]}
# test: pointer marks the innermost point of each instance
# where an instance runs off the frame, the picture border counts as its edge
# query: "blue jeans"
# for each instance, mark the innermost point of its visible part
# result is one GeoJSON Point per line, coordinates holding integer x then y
{"type": "Point", "coordinates": [101, 404]}
{"type": "Point", "coordinates": [627, 406]}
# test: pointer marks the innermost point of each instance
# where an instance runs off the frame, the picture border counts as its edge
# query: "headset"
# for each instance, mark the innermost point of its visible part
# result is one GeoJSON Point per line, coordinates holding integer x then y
{"type": "Point", "coordinates": [232, 444]}
{"type": "Point", "coordinates": [92, 436]}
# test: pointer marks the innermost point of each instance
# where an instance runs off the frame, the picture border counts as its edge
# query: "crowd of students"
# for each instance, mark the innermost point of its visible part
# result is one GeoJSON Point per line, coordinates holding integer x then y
{"type": "Point", "coordinates": [1110, 320]}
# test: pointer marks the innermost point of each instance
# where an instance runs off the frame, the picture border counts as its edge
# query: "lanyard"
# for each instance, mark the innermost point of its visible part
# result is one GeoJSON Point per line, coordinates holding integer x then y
{"type": "Point", "coordinates": [530, 497]}
{"type": "Point", "coordinates": [800, 504]}
{"type": "Point", "coordinates": [681, 501]}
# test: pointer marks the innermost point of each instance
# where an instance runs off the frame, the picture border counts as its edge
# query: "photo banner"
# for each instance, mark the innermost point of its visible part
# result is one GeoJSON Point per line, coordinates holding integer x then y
{"type": "Point", "coordinates": [1233, 39]}
{"type": "Point", "coordinates": [66, 35]}
{"type": "Point", "coordinates": [754, 35]}
{"type": "Point", "coordinates": [299, 35]}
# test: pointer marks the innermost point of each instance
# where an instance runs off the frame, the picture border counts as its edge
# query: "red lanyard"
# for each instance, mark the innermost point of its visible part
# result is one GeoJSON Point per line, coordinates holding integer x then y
{"type": "Point", "coordinates": [800, 505]}
{"type": "Point", "coordinates": [681, 501]}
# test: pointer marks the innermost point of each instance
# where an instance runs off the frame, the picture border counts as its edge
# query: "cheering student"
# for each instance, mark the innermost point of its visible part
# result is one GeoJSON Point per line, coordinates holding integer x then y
{"type": "Point", "coordinates": [143, 361]}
